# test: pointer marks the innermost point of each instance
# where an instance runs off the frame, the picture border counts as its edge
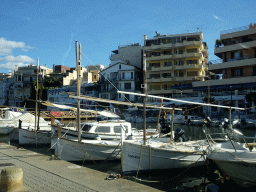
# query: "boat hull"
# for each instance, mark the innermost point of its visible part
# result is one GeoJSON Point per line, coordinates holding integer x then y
{"type": "Point", "coordinates": [136, 156]}
{"type": "Point", "coordinates": [240, 165]}
{"type": "Point", "coordinates": [28, 136]}
{"type": "Point", "coordinates": [72, 150]}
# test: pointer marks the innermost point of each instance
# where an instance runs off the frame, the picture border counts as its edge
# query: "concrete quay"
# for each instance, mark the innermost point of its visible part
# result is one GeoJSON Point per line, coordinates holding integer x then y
{"type": "Point", "coordinates": [40, 173]}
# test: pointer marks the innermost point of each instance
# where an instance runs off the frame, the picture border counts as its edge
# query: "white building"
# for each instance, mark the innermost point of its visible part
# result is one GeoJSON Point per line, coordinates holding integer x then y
{"type": "Point", "coordinates": [131, 54]}
{"type": "Point", "coordinates": [120, 76]}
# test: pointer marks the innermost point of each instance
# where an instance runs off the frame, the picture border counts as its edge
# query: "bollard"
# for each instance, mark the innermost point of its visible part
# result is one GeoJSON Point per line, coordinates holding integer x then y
{"type": "Point", "coordinates": [11, 179]}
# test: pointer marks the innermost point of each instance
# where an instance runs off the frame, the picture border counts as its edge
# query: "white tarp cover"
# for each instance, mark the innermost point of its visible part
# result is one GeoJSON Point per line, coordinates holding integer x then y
{"type": "Point", "coordinates": [11, 114]}
{"type": "Point", "coordinates": [102, 113]}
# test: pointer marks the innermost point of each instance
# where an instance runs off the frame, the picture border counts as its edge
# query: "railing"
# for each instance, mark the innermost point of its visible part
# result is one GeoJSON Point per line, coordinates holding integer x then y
{"type": "Point", "coordinates": [243, 28]}
{"type": "Point", "coordinates": [217, 61]}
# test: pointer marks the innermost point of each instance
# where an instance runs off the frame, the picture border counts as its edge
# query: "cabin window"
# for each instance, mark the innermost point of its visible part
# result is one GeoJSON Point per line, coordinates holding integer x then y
{"type": "Point", "coordinates": [86, 128]}
{"type": "Point", "coordinates": [102, 129]}
{"type": "Point", "coordinates": [117, 129]}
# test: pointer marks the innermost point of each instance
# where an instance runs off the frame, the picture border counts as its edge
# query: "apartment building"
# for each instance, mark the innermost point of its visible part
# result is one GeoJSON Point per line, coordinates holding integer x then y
{"type": "Point", "coordinates": [130, 54]}
{"type": "Point", "coordinates": [173, 62]}
{"type": "Point", "coordinates": [6, 80]}
{"type": "Point", "coordinates": [236, 67]}
{"type": "Point", "coordinates": [120, 76]}
{"type": "Point", "coordinates": [23, 78]}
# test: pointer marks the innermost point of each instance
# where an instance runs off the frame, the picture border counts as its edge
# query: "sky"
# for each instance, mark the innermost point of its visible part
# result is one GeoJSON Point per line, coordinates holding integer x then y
{"type": "Point", "coordinates": [48, 29]}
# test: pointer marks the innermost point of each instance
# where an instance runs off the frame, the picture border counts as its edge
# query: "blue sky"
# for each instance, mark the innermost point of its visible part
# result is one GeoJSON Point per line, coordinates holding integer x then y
{"type": "Point", "coordinates": [48, 29]}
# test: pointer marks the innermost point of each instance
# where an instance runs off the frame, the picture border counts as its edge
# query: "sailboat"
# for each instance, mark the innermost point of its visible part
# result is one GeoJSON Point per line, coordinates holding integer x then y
{"type": "Point", "coordinates": [38, 131]}
{"type": "Point", "coordinates": [235, 159]}
{"type": "Point", "coordinates": [155, 155]}
{"type": "Point", "coordinates": [105, 145]}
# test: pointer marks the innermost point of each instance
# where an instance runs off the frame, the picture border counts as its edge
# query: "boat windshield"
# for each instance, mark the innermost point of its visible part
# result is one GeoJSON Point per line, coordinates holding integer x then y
{"type": "Point", "coordinates": [86, 127]}
{"type": "Point", "coordinates": [117, 129]}
{"type": "Point", "coordinates": [102, 129]}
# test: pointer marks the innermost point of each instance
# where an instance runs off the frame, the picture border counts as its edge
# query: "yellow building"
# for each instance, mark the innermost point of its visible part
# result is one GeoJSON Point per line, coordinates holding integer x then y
{"type": "Point", "coordinates": [173, 62]}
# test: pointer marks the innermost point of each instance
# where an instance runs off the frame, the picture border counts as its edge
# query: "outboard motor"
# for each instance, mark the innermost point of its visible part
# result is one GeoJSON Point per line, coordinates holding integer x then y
{"type": "Point", "coordinates": [207, 121]}
{"type": "Point", "coordinates": [179, 135]}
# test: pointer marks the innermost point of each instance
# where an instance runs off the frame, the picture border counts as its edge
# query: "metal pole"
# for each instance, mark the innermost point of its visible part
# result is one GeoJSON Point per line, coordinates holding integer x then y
{"type": "Point", "coordinates": [78, 67]}
{"type": "Point", "coordinates": [37, 68]}
{"type": "Point", "coordinates": [171, 139]}
{"type": "Point", "coordinates": [144, 98]}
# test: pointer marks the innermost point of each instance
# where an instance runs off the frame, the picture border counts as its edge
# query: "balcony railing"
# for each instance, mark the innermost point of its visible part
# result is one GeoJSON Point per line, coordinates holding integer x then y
{"type": "Point", "coordinates": [243, 28]}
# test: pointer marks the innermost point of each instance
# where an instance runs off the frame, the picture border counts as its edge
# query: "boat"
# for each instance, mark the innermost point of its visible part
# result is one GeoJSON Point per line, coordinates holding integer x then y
{"type": "Point", "coordinates": [194, 120]}
{"type": "Point", "coordinates": [238, 123]}
{"type": "Point", "coordinates": [152, 155]}
{"type": "Point", "coordinates": [87, 150]}
{"type": "Point", "coordinates": [235, 159]}
{"type": "Point", "coordinates": [178, 119]}
{"type": "Point", "coordinates": [157, 155]}
{"type": "Point", "coordinates": [106, 130]}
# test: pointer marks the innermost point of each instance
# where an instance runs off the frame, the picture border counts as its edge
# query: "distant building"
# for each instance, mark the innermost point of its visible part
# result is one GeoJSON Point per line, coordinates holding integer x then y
{"type": "Point", "coordinates": [120, 76]}
{"type": "Point", "coordinates": [175, 61]}
{"type": "Point", "coordinates": [236, 68]}
{"type": "Point", "coordinates": [130, 54]}
{"type": "Point", "coordinates": [6, 80]}
{"type": "Point", "coordinates": [23, 78]}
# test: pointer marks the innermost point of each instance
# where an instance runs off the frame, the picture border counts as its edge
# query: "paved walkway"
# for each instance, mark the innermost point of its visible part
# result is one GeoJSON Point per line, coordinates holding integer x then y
{"type": "Point", "coordinates": [42, 174]}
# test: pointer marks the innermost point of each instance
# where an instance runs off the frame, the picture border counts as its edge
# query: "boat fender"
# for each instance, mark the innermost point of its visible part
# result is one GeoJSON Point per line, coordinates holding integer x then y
{"type": "Point", "coordinates": [97, 138]}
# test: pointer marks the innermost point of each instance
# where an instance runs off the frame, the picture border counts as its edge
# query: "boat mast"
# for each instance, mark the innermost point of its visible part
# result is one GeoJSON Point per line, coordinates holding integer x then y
{"type": "Point", "coordinates": [36, 88]}
{"type": "Point", "coordinates": [78, 67]}
{"type": "Point", "coordinates": [144, 98]}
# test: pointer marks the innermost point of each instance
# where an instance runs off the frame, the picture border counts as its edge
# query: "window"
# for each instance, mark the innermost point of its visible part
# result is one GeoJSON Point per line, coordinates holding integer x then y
{"type": "Point", "coordinates": [86, 127]}
{"type": "Point", "coordinates": [117, 129]}
{"type": "Point", "coordinates": [192, 73]}
{"type": "Point", "coordinates": [102, 129]}
{"type": "Point", "coordinates": [127, 86]}
{"type": "Point", "coordinates": [119, 66]}
{"type": "Point", "coordinates": [167, 64]}
{"type": "Point", "coordinates": [131, 75]}
{"type": "Point", "coordinates": [194, 50]}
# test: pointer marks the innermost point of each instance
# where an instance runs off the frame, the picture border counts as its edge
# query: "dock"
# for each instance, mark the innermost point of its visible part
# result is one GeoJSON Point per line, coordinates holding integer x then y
{"type": "Point", "coordinates": [42, 173]}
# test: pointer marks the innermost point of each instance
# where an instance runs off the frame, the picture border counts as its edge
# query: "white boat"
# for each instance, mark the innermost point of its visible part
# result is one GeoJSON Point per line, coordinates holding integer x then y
{"type": "Point", "coordinates": [194, 120]}
{"type": "Point", "coordinates": [84, 150]}
{"type": "Point", "coordinates": [106, 130]}
{"type": "Point", "coordinates": [26, 134]}
{"type": "Point", "coordinates": [9, 120]}
{"type": "Point", "coordinates": [156, 155]}
{"type": "Point", "coordinates": [243, 123]}
{"type": "Point", "coordinates": [30, 136]}
{"type": "Point", "coordinates": [178, 119]}
{"type": "Point", "coordinates": [236, 160]}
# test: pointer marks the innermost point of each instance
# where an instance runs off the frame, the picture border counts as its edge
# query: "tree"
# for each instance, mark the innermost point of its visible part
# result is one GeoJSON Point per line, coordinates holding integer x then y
{"type": "Point", "coordinates": [211, 99]}
{"type": "Point", "coordinates": [250, 97]}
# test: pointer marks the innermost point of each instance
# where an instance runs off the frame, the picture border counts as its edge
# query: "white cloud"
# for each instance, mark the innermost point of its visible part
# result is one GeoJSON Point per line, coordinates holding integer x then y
{"type": "Point", "coordinates": [216, 17]}
{"type": "Point", "coordinates": [6, 47]}
{"type": "Point", "coordinates": [11, 65]}
{"type": "Point", "coordinates": [8, 60]}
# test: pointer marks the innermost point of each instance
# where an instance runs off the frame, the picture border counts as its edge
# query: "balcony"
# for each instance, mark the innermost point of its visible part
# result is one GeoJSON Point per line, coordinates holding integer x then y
{"type": "Point", "coordinates": [155, 47]}
{"type": "Point", "coordinates": [167, 79]}
{"type": "Point", "coordinates": [179, 56]}
{"type": "Point", "coordinates": [235, 47]}
{"type": "Point", "coordinates": [187, 43]}
{"type": "Point", "coordinates": [156, 68]}
{"type": "Point", "coordinates": [160, 57]}
{"type": "Point", "coordinates": [153, 79]}
{"type": "Point", "coordinates": [244, 61]}
{"type": "Point", "coordinates": [166, 68]}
